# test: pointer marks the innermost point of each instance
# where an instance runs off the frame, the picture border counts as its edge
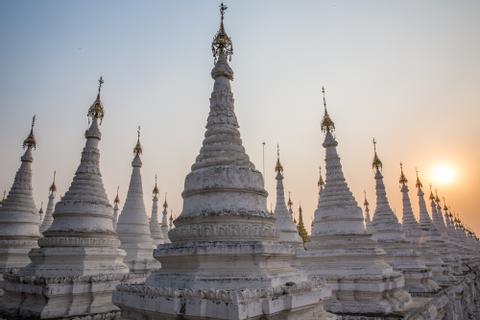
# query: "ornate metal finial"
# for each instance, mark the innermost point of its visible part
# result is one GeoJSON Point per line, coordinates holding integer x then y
{"type": "Point", "coordinates": [53, 187]}
{"type": "Point", "coordinates": [365, 203]}
{"type": "Point", "coordinates": [327, 124]}
{"type": "Point", "coordinates": [96, 109]}
{"type": "Point", "coordinates": [437, 199]}
{"type": "Point", "coordinates": [376, 164]}
{"type": "Point", "coordinates": [290, 202]}
{"type": "Point", "coordinates": [171, 219]}
{"type": "Point", "coordinates": [138, 147]}
{"type": "Point", "coordinates": [432, 197]}
{"type": "Point", "coordinates": [155, 189]}
{"type": "Point", "coordinates": [278, 166]}
{"type": "Point", "coordinates": [41, 209]}
{"type": "Point", "coordinates": [403, 180]}
{"type": "Point", "coordinates": [418, 184]}
{"type": "Point", "coordinates": [165, 204]}
{"type": "Point", "coordinates": [117, 198]}
{"type": "Point", "coordinates": [321, 183]}
{"type": "Point", "coordinates": [222, 44]}
{"type": "Point", "coordinates": [445, 208]}
{"type": "Point", "coordinates": [30, 141]}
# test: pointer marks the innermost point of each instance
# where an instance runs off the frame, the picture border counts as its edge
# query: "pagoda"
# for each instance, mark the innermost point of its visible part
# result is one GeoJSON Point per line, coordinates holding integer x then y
{"type": "Point", "coordinates": [48, 219]}
{"type": "Point", "coordinates": [155, 227]}
{"type": "Point", "coordinates": [286, 228]}
{"type": "Point", "coordinates": [78, 263]}
{"type": "Point", "coordinates": [164, 226]}
{"type": "Point", "coordinates": [401, 254]}
{"type": "Point", "coordinates": [342, 251]}
{"type": "Point", "coordinates": [132, 227]}
{"type": "Point", "coordinates": [224, 260]}
{"type": "Point", "coordinates": [19, 218]}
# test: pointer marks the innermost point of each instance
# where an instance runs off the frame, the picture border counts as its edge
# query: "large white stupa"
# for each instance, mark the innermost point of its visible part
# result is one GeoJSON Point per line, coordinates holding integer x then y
{"type": "Point", "coordinates": [341, 251]}
{"type": "Point", "coordinates": [132, 227]}
{"type": "Point", "coordinates": [19, 218]}
{"type": "Point", "coordinates": [78, 264]}
{"type": "Point", "coordinates": [224, 260]}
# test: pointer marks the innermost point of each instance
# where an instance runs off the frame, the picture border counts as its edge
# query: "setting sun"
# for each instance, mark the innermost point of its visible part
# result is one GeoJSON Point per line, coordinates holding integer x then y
{"type": "Point", "coordinates": [444, 174]}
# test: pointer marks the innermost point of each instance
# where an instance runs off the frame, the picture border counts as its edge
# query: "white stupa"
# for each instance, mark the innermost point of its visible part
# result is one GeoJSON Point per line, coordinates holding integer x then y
{"type": "Point", "coordinates": [432, 241]}
{"type": "Point", "coordinates": [78, 265]}
{"type": "Point", "coordinates": [224, 261]}
{"type": "Point", "coordinates": [19, 218]}
{"type": "Point", "coordinates": [155, 227]}
{"type": "Point", "coordinates": [341, 251]}
{"type": "Point", "coordinates": [132, 227]}
{"type": "Point", "coordinates": [286, 228]}
{"type": "Point", "coordinates": [116, 209]}
{"type": "Point", "coordinates": [401, 254]}
{"type": "Point", "coordinates": [164, 226]}
{"type": "Point", "coordinates": [48, 219]}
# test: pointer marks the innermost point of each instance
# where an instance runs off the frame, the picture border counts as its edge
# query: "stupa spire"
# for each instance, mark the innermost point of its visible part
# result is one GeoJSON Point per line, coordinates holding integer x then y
{"type": "Point", "coordinates": [424, 219]}
{"type": "Point", "coordinates": [409, 223]}
{"type": "Point", "coordinates": [133, 227]}
{"type": "Point", "coordinates": [286, 228]}
{"type": "Point", "coordinates": [40, 212]}
{"type": "Point", "coordinates": [327, 124]}
{"type": "Point", "coordinates": [155, 227]}
{"type": "Point", "coordinates": [96, 110]}
{"type": "Point", "coordinates": [222, 44]}
{"type": "Point", "coordinates": [435, 214]}
{"type": "Point", "coordinates": [116, 208]}
{"type": "Point", "coordinates": [47, 221]}
{"type": "Point", "coordinates": [3, 197]}
{"type": "Point", "coordinates": [301, 226]}
{"type": "Point", "coordinates": [19, 217]}
{"type": "Point", "coordinates": [164, 226]}
{"type": "Point", "coordinates": [366, 205]}
{"type": "Point", "coordinates": [440, 214]}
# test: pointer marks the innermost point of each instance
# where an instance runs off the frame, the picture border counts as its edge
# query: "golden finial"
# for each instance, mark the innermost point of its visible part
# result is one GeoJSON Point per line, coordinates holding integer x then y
{"type": "Point", "coordinates": [376, 164]}
{"type": "Point", "coordinates": [155, 189]}
{"type": "Point", "coordinates": [138, 147]}
{"type": "Point", "coordinates": [432, 197]}
{"type": "Point", "coordinates": [327, 124]}
{"type": "Point", "coordinates": [445, 208]}
{"type": "Point", "coordinates": [301, 227]}
{"type": "Point", "coordinates": [437, 199]}
{"type": "Point", "coordinates": [321, 183]}
{"type": "Point", "coordinates": [4, 196]}
{"type": "Point", "coordinates": [222, 44]}
{"type": "Point", "coordinates": [117, 198]}
{"type": "Point", "coordinates": [41, 209]}
{"type": "Point", "coordinates": [365, 203]}
{"type": "Point", "coordinates": [403, 180]}
{"type": "Point", "coordinates": [278, 166]}
{"type": "Point", "coordinates": [171, 219]}
{"type": "Point", "coordinates": [418, 184]}
{"type": "Point", "coordinates": [96, 109]}
{"type": "Point", "coordinates": [30, 141]}
{"type": "Point", "coordinates": [290, 202]}
{"type": "Point", "coordinates": [53, 187]}
{"type": "Point", "coordinates": [165, 204]}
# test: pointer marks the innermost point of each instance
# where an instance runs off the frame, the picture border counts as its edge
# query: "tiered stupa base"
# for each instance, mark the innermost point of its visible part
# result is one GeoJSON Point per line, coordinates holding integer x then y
{"type": "Point", "coordinates": [354, 268]}
{"type": "Point", "coordinates": [275, 291]}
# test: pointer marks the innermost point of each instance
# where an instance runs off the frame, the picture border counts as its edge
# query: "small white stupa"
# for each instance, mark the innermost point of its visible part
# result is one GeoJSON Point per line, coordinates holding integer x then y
{"type": "Point", "coordinates": [401, 254]}
{"type": "Point", "coordinates": [116, 209]}
{"type": "Point", "coordinates": [78, 265]}
{"type": "Point", "coordinates": [132, 227]}
{"type": "Point", "coordinates": [341, 251]}
{"type": "Point", "coordinates": [155, 227]}
{"type": "Point", "coordinates": [48, 219]}
{"type": "Point", "coordinates": [286, 228]}
{"type": "Point", "coordinates": [19, 218]}
{"type": "Point", "coordinates": [224, 261]}
{"type": "Point", "coordinates": [164, 225]}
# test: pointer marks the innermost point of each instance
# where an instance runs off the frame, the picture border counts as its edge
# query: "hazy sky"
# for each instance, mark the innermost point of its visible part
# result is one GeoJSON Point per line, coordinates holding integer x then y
{"type": "Point", "coordinates": [406, 72]}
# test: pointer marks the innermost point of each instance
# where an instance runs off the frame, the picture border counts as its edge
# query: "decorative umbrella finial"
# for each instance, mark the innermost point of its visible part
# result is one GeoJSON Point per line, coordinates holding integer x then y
{"type": "Point", "coordinates": [327, 124]}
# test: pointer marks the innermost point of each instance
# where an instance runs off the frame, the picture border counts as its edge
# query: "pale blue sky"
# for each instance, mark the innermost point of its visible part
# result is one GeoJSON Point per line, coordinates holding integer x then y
{"type": "Point", "coordinates": [406, 72]}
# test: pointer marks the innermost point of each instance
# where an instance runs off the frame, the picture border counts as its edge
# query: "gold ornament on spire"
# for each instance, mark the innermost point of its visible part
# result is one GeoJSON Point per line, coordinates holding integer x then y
{"type": "Point", "coordinates": [171, 219]}
{"type": "Point", "coordinates": [403, 180]}
{"type": "Point", "coordinates": [365, 203]}
{"type": "Point", "coordinates": [437, 199]}
{"type": "Point", "coordinates": [278, 166]}
{"type": "Point", "coordinates": [40, 212]}
{"type": "Point", "coordinates": [327, 124]}
{"type": "Point", "coordinates": [53, 187]}
{"type": "Point", "coordinates": [321, 183]}
{"type": "Point", "coordinates": [155, 189]}
{"type": "Point", "coordinates": [165, 204]}
{"type": "Point", "coordinates": [96, 109]}
{"type": "Point", "coordinates": [138, 147]}
{"type": "Point", "coordinates": [117, 198]}
{"type": "Point", "coordinates": [376, 164]}
{"type": "Point", "coordinates": [222, 44]}
{"type": "Point", "coordinates": [432, 197]}
{"type": "Point", "coordinates": [30, 141]}
{"type": "Point", "coordinates": [301, 227]}
{"type": "Point", "coordinates": [418, 184]}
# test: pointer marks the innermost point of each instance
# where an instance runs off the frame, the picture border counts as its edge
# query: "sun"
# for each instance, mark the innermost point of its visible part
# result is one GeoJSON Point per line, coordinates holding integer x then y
{"type": "Point", "coordinates": [444, 174]}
